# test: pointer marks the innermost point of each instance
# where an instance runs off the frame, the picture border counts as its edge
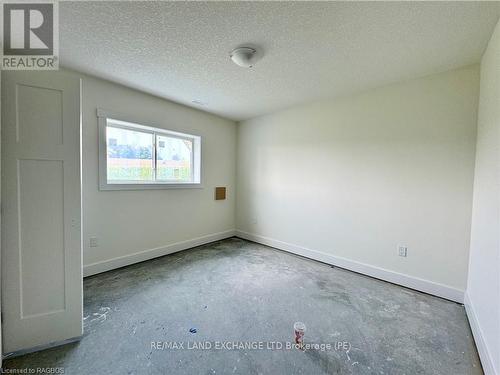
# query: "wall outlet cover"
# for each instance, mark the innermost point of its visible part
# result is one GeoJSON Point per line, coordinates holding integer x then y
{"type": "Point", "coordinates": [93, 242]}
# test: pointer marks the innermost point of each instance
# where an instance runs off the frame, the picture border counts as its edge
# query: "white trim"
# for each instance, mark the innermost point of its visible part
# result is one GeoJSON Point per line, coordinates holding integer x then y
{"type": "Point", "coordinates": [140, 256]}
{"type": "Point", "coordinates": [412, 282]}
{"type": "Point", "coordinates": [477, 332]}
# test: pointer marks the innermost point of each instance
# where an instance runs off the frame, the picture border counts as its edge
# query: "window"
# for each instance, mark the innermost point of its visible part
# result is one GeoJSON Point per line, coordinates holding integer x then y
{"type": "Point", "coordinates": [133, 156]}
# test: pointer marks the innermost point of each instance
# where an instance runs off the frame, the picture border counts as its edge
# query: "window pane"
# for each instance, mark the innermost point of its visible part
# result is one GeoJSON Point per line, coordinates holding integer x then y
{"type": "Point", "coordinates": [130, 155]}
{"type": "Point", "coordinates": [174, 159]}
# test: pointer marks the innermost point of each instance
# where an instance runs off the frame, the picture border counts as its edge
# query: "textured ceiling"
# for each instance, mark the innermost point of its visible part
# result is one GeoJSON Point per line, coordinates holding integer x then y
{"type": "Point", "coordinates": [312, 50]}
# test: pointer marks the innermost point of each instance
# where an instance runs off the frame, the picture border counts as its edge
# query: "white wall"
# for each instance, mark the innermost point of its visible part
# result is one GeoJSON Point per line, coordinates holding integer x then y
{"type": "Point", "coordinates": [347, 180]}
{"type": "Point", "coordinates": [483, 288]}
{"type": "Point", "coordinates": [148, 221]}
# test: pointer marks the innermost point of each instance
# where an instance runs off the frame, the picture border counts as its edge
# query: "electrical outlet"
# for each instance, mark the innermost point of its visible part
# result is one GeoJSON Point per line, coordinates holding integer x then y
{"type": "Point", "coordinates": [403, 251]}
{"type": "Point", "coordinates": [93, 242]}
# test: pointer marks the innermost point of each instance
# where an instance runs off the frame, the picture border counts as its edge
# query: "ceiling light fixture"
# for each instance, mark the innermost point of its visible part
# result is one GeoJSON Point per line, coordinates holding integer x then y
{"type": "Point", "coordinates": [245, 57]}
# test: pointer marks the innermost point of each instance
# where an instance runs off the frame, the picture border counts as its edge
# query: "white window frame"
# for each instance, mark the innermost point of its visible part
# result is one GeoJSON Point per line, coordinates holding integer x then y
{"type": "Point", "coordinates": [121, 122]}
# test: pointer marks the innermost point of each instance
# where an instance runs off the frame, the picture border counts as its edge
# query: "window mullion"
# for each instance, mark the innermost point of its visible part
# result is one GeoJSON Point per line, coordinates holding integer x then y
{"type": "Point", "coordinates": [192, 160]}
{"type": "Point", "coordinates": [154, 156]}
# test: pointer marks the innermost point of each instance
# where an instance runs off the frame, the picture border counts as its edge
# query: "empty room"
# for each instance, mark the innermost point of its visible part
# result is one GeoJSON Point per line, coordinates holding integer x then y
{"type": "Point", "coordinates": [254, 187]}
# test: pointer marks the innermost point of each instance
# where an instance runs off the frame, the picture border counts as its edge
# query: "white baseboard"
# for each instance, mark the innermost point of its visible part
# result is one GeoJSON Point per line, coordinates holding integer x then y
{"type": "Point", "coordinates": [416, 283]}
{"type": "Point", "coordinates": [477, 332]}
{"type": "Point", "coordinates": [110, 264]}
{"type": "Point", "coordinates": [422, 285]}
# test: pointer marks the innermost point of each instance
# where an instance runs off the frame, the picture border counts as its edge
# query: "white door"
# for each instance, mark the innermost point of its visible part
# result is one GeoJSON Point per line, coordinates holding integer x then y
{"type": "Point", "coordinates": [41, 204]}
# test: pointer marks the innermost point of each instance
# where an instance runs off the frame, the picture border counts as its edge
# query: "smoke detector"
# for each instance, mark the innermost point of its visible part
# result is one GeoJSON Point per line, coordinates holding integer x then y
{"type": "Point", "coordinates": [245, 57]}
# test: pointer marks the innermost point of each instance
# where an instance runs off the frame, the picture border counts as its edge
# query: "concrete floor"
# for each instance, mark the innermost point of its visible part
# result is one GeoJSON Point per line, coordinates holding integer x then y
{"type": "Point", "coordinates": [238, 291]}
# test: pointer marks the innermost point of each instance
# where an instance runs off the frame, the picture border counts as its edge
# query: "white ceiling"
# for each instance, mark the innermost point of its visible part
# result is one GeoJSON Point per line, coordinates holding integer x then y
{"type": "Point", "coordinates": [179, 50]}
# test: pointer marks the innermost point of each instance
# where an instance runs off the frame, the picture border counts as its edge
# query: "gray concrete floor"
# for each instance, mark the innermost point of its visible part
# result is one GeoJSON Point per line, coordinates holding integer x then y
{"type": "Point", "coordinates": [238, 291]}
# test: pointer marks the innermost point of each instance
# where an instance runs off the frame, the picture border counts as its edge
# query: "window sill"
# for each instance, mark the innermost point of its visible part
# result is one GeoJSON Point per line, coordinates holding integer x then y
{"type": "Point", "coordinates": [153, 186]}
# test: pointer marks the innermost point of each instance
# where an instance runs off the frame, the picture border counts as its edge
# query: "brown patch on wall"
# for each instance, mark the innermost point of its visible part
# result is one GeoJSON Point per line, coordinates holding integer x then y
{"type": "Point", "coordinates": [220, 193]}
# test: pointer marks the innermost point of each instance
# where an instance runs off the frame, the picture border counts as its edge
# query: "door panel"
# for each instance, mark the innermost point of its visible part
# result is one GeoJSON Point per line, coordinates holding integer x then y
{"type": "Point", "coordinates": [41, 295]}
{"type": "Point", "coordinates": [44, 105]}
{"type": "Point", "coordinates": [41, 198]}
